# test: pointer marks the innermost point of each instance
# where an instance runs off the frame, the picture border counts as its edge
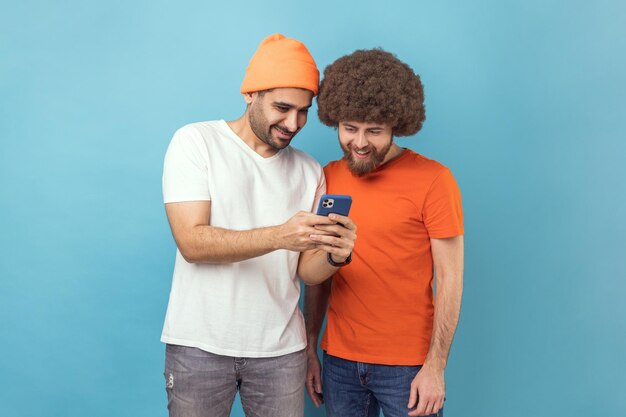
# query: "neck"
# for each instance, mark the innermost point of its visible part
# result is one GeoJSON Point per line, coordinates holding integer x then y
{"type": "Point", "coordinates": [241, 127]}
{"type": "Point", "coordinates": [394, 152]}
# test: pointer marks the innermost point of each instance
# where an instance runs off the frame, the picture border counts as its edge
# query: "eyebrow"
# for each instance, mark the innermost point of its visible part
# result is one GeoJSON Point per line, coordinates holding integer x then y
{"type": "Point", "coordinates": [291, 106]}
{"type": "Point", "coordinates": [369, 128]}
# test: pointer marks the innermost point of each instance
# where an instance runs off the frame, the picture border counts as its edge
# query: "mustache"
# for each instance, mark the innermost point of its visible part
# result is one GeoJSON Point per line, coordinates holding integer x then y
{"type": "Point", "coordinates": [368, 148]}
{"type": "Point", "coordinates": [285, 130]}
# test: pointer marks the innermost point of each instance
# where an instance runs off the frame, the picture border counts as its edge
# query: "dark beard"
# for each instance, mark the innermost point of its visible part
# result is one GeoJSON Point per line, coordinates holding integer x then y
{"type": "Point", "coordinates": [361, 168]}
{"type": "Point", "coordinates": [258, 124]}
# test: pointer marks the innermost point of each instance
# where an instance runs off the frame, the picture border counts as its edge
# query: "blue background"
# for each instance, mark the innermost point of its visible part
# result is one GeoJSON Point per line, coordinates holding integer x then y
{"type": "Point", "coordinates": [525, 102]}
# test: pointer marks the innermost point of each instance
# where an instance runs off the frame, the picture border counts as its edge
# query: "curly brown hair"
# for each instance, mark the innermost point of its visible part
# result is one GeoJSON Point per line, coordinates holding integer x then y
{"type": "Point", "coordinates": [372, 86]}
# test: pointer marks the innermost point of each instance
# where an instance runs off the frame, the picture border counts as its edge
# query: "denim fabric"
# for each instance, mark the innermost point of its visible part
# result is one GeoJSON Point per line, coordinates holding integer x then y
{"type": "Point", "coordinates": [356, 389]}
{"type": "Point", "coordinates": [202, 384]}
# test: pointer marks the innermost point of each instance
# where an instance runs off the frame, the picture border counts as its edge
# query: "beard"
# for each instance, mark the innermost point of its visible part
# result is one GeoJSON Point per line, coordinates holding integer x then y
{"type": "Point", "coordinates": [263, 130]}
{"type": "Point", "coordinates": [361, 167]}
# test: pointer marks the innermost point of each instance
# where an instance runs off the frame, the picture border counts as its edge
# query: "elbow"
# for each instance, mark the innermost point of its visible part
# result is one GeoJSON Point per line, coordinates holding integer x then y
{"type": "Point", "coordinates": [304, 276]}
{"type": "Point", "coordinates": [308, 280]}
{"type": "Point", "coordinates": [189, 254]}
{"type": "Point", "coordinates": [309, 283]}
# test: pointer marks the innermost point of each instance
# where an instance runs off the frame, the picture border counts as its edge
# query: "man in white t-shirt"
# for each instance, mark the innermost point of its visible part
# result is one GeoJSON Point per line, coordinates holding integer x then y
{"type": "Point", "coordinates": [239, 199]}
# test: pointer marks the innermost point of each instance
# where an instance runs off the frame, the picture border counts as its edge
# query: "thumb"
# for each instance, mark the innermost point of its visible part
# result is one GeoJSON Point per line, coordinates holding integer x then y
{"type": "Point", "coordinates": [318, 386]}
{"type": "Point", "coordinates": [412, 397]}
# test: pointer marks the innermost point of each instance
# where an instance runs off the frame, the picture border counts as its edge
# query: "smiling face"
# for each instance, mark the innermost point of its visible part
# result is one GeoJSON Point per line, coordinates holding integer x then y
{"type": "Point", "coordinates": [275, 116]}
{"type": "Point", "coordinates": [366, 146]}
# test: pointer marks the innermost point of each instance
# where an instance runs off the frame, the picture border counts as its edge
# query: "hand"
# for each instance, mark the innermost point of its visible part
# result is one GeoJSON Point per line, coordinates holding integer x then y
{"type": "Point", "coordinates": [313, 378]}
{"type": "Point", "coordinates": [295, 234]}
{"type": "Point", "coordinates": [338, 238]}
{"type": "Point", "coordinates": [429, 386]}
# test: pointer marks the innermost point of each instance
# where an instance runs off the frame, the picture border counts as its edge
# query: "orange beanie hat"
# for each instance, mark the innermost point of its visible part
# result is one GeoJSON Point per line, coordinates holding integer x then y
{"type": "Point", "coordinates": [281, 62]}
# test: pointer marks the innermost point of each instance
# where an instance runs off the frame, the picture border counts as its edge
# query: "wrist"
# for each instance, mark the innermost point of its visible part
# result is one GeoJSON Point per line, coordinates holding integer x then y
{"type": "Point", "coordinates": [337, 258]}
{"type": "Point", "coordinates": [275, 237]}
{"type": "Point", "coordinates": [338, 263]}
{"type": "Point", "coordinates": [435, 364]}
{"type": "Point", "coordinates": [311, 349]}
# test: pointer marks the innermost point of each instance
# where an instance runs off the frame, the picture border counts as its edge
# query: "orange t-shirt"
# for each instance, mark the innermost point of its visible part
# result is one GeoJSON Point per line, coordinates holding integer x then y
{"type": "Point", "coordinates": [381, 304]}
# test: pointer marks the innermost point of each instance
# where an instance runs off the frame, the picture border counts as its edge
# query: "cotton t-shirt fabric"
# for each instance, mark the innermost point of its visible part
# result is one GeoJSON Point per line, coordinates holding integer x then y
{"type": "Point", "coordinates": [248, 308]}
{"type": "Point", "coordinates": [381, 304]}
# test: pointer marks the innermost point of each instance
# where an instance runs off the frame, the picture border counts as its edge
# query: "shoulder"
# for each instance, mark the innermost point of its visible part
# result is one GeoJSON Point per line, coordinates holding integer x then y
{"type": "Point", "coordinates": [200, 130]}
{"type": "Point", "coordinates": [193, 141]}
{"type": "Point", "coordinates": [423, 163]}
{"type": "Point", "coordinates": [335, 166]}
{"type": "Point", "coordinates": [427, 168]}
{"type": "Point", "coordinates": [199, 137]}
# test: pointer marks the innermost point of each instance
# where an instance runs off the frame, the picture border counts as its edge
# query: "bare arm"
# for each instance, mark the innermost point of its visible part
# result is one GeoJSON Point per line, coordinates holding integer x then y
{"type": "Point", "coordinates": [200, 242]}
{"type": "Point", "coordinates": [336, 239]}
{"type": "Point", "coordinates": [315, 305]}
{"type": "Point", "coordinates": [429, 383]}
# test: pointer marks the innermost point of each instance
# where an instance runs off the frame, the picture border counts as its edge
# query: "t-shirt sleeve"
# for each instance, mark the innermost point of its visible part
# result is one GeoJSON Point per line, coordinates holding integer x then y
{"type": "Point", "coordinates": [443, 212]}
{"type": "Point", "coordinates": [320, 191]}
{"type": "Point", "coordinates": [185, 170]}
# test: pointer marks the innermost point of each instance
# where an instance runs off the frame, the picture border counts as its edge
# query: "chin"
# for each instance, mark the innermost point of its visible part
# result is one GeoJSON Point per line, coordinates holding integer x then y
{"type": "Point", "coordinates": [360, 170]}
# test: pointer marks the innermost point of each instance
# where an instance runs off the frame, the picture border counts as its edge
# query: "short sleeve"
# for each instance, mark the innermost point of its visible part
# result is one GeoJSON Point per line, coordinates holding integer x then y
{"type": "Point", "coordinates": [320, 191]}
{"type": "Point", "coordinates": [442, 210]}
{"type": "Point", "coordinates": [185, 169]}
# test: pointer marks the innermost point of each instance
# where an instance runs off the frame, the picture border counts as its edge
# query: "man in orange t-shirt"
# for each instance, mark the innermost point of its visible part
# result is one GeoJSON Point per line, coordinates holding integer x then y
{"type": "Point", "coordinates": [387, 338]}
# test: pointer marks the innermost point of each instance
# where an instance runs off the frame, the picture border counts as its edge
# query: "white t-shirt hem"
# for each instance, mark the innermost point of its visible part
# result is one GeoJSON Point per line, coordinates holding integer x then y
{"type": "Point", "coordinates": [232, 353]}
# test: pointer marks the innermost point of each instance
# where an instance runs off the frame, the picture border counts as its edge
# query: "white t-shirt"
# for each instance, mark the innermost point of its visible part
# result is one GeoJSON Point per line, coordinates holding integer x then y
{"type": "Point", "coordinates": [248, 308]}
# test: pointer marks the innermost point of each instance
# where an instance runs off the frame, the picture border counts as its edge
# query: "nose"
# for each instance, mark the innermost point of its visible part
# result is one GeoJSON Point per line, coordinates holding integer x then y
{"type": "Point", "coordinates": [291, 121]}
{"type": "Point", "coordinates": [360, 141]}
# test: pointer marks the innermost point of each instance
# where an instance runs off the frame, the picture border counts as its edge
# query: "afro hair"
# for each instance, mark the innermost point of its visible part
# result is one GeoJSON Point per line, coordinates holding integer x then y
{"type": "Point", "coordinates": [372, 86]}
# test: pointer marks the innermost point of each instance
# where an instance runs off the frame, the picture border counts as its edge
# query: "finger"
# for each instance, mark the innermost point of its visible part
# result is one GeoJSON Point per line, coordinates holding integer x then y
{"type": "Point", "coordinates": [331, 241]}
{"type": "Point", "coordinates": [343, 220]}
{"type": "Point", "coordinates": [339, 232]}
{"type": "Point", "coordinates": [412, 397]}
{"type": "Point", "coordinates": [439, 405]}
{"type": "Point", "coordinates": [317, 400]}
{"type": "Point", "coordinates": [417, 411]}
{"type": "Point", "coordinates": [310, 391]}
{"type": "Point", "coordinates": [431, 408]}
{"type": "Point", "coordinates": [310, 219]}
{"type": "Point", "coordinates": [325, 239]}
{"type": "Point", "coordinates": [326, 230]}
{"type": "Point", "coordinates": [337, 253]}
{"type": "Point", "coordinates": [335, 229]}
{"type": "Point", "coordinates": [420, 410]}
{"type": "Point", "coordinates": [317, 219]}
{"type": "Point", "coordinates": [309, 388]}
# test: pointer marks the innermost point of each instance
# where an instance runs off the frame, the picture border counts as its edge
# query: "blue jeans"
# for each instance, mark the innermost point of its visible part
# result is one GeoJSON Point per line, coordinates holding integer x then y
{"type": "Point", "coordinates": [356, 389]}
{"type": "Point", "coordinates": [202, 384]}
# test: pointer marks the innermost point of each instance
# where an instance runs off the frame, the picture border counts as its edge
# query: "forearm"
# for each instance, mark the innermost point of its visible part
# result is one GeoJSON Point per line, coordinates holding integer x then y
{"type": "Point", "coordinates": [208, 244]}
{"type": "Point", "coordinates": [315, 305]}
{"type": "Point", "coordinates": [313, 267]}
{"type": "Point", "coordinates": [446, 316]}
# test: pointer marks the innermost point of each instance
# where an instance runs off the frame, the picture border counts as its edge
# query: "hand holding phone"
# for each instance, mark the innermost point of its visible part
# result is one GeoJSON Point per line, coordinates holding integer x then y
{"type": "Point", "coordinates": [341, 240]}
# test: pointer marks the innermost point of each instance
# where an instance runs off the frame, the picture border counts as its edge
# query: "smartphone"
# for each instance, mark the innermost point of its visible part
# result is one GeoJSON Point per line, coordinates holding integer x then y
{"type": "Point", "coordinates": [334, 203]}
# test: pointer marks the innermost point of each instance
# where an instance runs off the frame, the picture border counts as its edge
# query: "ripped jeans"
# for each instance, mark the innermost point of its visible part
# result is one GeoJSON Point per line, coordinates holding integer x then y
{"type": "Point", "coordinates": [202, 384]}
